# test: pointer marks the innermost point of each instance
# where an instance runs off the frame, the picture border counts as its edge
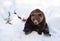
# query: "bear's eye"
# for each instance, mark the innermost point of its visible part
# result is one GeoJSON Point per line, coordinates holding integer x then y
{"type": "Point", "coordinates": [39, 14]}
{"type": "Point", "coordinates": [32, 15]}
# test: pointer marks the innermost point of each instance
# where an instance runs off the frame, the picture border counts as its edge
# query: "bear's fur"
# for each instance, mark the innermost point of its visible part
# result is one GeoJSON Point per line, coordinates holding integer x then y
{"type": "Point", "coordinates": [36, 22]}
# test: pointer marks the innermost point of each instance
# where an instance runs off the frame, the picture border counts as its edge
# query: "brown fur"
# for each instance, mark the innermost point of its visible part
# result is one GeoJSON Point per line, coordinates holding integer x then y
{"type": "Point", "coordinates": [36, 22]}
{"type": "Point", "coordinates": [37, 16]}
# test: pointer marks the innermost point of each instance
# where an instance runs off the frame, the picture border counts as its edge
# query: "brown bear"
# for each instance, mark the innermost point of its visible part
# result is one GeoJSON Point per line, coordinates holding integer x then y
{"type": "Point", "coordinates": [36, 22]}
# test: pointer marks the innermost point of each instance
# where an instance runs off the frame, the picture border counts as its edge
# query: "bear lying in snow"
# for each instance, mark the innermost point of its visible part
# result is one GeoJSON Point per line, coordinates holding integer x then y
{"type": "Point", "coordinates": [36, 22]}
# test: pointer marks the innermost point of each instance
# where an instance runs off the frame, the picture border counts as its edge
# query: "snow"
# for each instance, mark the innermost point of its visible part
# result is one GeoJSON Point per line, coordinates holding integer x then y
{"type": "Point", "coordinates": [14, 31]}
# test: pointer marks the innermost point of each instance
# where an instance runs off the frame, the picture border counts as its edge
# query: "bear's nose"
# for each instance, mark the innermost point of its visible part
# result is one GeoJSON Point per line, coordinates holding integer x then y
{"type": "Point", "coordinates": [37, 19]}
{"type": "Point", "coordinates": [36, 22]}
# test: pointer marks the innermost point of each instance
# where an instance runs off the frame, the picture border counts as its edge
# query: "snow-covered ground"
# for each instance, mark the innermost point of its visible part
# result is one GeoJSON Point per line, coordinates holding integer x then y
{"type": "Point", "coordinates": [14, 32]}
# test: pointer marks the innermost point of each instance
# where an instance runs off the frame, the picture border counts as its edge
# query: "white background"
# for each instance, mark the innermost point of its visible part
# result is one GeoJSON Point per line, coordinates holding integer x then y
{"type": "Point", "coordinates": [14, 32]}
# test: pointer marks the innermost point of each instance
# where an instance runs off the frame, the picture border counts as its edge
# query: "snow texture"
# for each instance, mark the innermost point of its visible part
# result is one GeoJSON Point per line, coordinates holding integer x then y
{"type": "Point", "coordinates": [14, 31]}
